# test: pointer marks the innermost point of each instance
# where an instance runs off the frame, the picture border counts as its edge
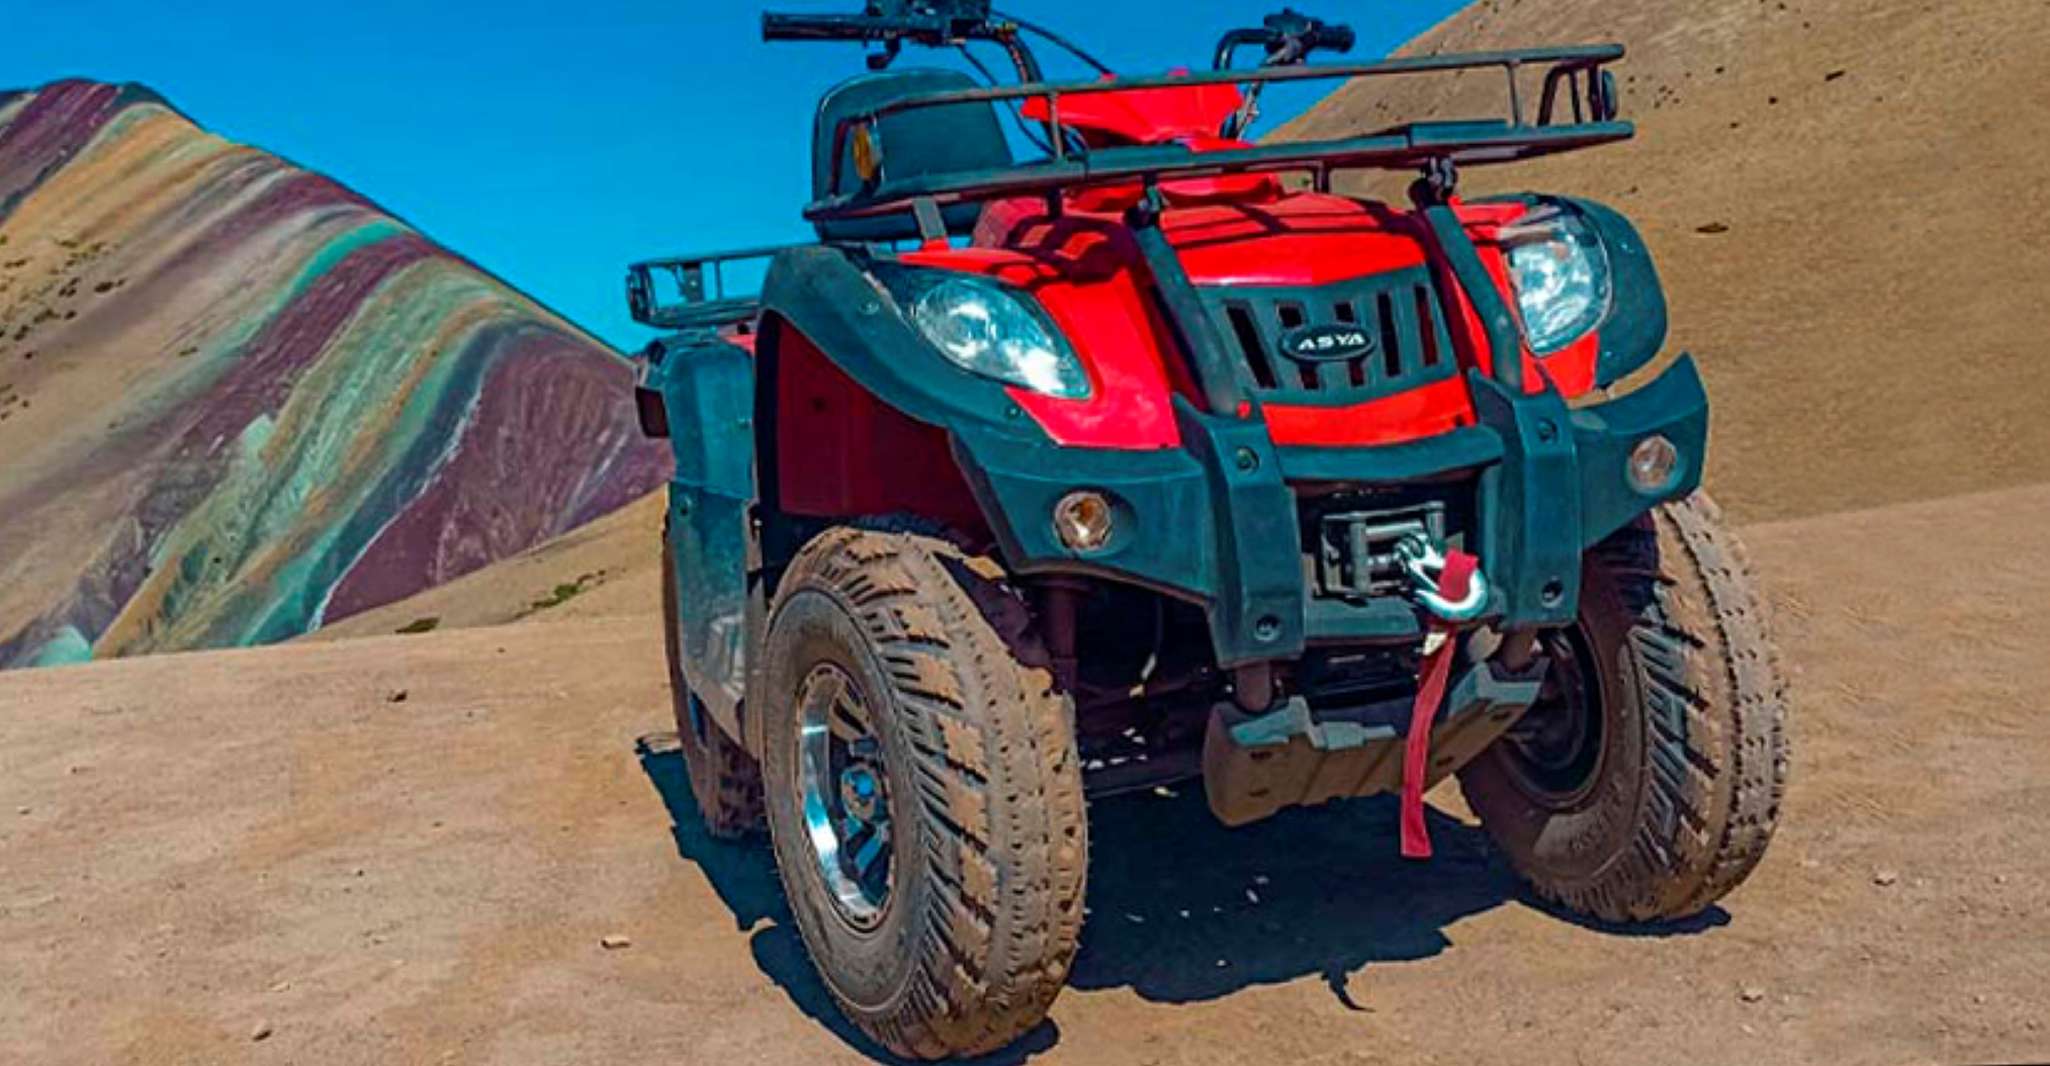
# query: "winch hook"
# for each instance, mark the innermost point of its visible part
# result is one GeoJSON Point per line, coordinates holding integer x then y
{"type": "Point", "coordinates": [1423, 562]}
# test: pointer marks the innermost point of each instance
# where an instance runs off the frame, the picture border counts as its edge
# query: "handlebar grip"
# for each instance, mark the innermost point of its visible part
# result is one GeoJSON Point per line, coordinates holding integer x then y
{"type": "Point", "coordinates": [777, 27]}
{"type": "Point", "coordinates": [1289, 34]}
{"type": "Point", "coordinates": [1335, 37]}
{"type": "Point", "coordinates": [795, 27]}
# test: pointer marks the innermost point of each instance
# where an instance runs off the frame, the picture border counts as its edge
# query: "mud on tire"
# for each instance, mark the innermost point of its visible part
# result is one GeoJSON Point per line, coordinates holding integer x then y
{"type": "Point", "coordinates": [724, 780]}
{"type": "Point", "coordinates": [1676, 793]}
{"type": "Point", "coordinates": [989, 848]}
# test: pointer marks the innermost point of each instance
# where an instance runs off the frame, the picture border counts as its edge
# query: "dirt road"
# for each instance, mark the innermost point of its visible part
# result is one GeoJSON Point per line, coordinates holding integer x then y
{"type": "Point", "coordinates": [407, 849]}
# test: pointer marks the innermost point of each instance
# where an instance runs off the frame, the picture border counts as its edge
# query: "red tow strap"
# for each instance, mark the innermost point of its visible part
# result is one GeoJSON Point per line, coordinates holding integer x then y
{"type": "Point", "coordinates": [1430, 692]}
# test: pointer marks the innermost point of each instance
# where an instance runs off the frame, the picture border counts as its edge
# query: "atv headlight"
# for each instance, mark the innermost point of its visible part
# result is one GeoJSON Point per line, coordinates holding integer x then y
{"type": "Point", "coordinates": [1561, 275]}
{"type": "Point", "coordinates": [986, 330]}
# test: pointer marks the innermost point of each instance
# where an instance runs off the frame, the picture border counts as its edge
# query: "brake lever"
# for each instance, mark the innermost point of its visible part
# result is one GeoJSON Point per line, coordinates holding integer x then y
{"type": "Point", "coordinates": [1249, 109]}
{"type": "Point", "coordinates": [1291, 50]}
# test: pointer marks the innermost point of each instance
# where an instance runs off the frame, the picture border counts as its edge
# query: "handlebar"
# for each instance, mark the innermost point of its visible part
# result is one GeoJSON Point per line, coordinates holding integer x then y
{"type": "Point", "coordinates": [935, 23]}
{"type": "Point", "coordinates": [1231, 42]}
{"type": "Point", "coordinates": [777, 27]}
{"type": "Point", "coordinates": [1289, 37]}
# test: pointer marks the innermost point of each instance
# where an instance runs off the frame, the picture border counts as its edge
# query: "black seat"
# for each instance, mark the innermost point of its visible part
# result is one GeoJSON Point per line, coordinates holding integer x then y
{"type": "Point", "coordinates": [929, 140]}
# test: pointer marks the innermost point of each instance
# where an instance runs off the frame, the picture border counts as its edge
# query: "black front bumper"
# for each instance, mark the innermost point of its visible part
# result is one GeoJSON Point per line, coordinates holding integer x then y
{"type": "Point", "coordinates": [1217, 522]}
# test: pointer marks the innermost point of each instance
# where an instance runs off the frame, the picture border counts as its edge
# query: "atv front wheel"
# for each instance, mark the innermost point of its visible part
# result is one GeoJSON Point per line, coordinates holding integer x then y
{"type": "Point", "coordinates": [924, 792]}
{"type": "Point", "coordinates": [724, 780]}
{"type": "Point", "coordinates": [1646, 781]}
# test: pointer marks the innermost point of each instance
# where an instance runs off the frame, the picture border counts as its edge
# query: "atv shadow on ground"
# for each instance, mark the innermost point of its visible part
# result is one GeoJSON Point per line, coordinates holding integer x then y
{"type": "Point", "coordinates": [1182, 909]}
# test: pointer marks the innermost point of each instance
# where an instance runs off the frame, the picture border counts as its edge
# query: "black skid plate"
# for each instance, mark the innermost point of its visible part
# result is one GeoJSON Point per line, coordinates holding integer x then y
{"type": "Point", "coordinates": [1254, 765]}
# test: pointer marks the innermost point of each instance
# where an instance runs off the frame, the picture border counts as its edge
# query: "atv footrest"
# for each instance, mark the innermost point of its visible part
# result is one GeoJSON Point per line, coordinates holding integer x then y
{"type": "Point", "coordinates": [1254, 765]}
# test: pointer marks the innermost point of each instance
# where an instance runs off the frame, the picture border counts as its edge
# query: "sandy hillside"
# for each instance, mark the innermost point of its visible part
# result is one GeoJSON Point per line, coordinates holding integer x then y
{"type": "Point", "coordinates": [1868, 306]}
{"type": "Point", "coordinates": [608, 569]}
{"type": "Point", "coordinates": [407, 849]}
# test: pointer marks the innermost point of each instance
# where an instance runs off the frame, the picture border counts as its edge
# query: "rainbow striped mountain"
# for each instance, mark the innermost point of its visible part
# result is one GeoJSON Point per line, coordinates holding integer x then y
{"type": "Point", "coordinates": [238, 400]}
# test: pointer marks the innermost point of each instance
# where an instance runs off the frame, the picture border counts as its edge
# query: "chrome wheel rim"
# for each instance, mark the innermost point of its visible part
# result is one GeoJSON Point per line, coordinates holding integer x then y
{"type": "Point", "coordinates": [845, 800]}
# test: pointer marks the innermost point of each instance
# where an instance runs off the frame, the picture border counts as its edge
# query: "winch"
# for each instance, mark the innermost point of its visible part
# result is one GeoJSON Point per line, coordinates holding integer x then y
{"type": "Point", "coordinates": [1295, 753]}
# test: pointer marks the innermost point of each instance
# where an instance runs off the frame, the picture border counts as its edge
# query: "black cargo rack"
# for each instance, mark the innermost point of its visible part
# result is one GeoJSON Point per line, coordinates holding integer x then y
{"type": "Point", "coordinates": [1573, 78]}
{"type": "Point", "coordinates": [705, 303]}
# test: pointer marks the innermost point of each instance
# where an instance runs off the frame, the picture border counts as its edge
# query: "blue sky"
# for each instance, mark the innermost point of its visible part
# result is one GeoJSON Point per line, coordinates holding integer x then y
{"type": "Point", "coordinates": [554, 142]}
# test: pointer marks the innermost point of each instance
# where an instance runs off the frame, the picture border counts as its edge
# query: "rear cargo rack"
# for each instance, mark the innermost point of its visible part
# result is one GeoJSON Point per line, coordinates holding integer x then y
{"type": "Point", "coordinates": [1573, 76]}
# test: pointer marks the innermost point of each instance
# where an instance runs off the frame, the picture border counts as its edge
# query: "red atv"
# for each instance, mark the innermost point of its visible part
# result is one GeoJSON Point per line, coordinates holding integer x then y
{"type": "Point", "coordinates": [1150, 457]}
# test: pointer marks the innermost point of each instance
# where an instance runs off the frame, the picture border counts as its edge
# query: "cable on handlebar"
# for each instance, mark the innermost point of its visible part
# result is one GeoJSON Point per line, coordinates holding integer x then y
{"type": "Point", "coordinates": [1289, 36]}
{"type": "Point", "coordinates": [1025, 129]}
{"type": "Point", "coordinates": [1054, 39]}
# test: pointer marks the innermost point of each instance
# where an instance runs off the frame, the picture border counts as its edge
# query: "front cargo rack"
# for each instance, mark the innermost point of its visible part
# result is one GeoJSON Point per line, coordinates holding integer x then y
{"type": "Point", "coordinates": [1574, 77]}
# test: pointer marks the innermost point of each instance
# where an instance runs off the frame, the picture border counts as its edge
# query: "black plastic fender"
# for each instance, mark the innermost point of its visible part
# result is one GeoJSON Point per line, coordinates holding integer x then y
{"type": "Point", "coordinates": [707, 388]}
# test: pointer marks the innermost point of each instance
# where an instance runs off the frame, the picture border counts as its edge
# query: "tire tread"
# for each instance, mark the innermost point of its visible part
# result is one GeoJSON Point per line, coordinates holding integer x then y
{"type": "Point", "coordinates": [1714, 702]}
{"type": "Point", "coordinates": [998, 781]}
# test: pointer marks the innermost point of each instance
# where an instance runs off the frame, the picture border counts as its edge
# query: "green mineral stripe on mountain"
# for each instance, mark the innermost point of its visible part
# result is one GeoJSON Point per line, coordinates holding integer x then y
{"type": "Point", "coordinates": [238, 400]}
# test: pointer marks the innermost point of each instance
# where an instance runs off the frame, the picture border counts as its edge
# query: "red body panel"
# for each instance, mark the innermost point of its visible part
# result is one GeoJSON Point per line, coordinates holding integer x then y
{"type": "Point", "coordinates": [1143, 116]}
{"type": "Point", "coordinates": [1081, 274]}
{"type": "Point", "coordinates": [1425, 411]}
{"type": "Point", "coordinates": [1570, 369]}
{"type": "Point", "coordinates": [1305, 239]}
{"type": "Point", "coordinates": [841, 451]}
{"type": "Point", "coordinates": [1188, 116]}
{"type": "Point", "coordinates": [1085, 269]}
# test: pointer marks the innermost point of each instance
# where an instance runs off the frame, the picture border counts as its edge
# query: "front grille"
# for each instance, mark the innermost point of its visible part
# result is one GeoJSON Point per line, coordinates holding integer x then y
{"type": "Point", "coordinates": [1396, 313]}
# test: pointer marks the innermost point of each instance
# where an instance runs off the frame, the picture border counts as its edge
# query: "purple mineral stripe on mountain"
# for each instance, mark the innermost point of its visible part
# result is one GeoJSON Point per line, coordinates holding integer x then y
{"type": "Point", "coordinates": [237, 399]}
{"type": "Point", "coordinates": [458, 522]}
